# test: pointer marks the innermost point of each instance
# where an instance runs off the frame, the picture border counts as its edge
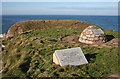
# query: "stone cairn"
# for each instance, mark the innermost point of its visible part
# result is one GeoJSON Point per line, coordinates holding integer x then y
{"type": "Point", "coordinates": [92, 35]}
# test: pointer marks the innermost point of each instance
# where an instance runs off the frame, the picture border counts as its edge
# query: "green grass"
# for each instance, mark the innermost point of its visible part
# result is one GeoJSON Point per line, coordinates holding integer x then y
{"type": "Point", "coordinates": [46, 24]}
{"type": "Point", "coordinates": [111, 32]}
{"type": "Point", "coordinates": [33, 50]}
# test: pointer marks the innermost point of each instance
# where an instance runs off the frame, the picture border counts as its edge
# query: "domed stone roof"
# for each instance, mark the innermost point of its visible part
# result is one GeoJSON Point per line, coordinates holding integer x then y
{"type": "Point", "coordinates": [92, 35]}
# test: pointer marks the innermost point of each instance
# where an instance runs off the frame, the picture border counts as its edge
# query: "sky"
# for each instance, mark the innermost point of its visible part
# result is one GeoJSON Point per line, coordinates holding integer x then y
{"type": "Point", "coordinates": [59, 8]}
{"type": "Point", "coordinates": [60, 0]}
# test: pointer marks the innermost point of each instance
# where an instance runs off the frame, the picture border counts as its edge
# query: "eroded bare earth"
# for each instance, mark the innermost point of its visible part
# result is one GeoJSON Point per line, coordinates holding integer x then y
{"type": "Point", "coordinates": [74, 40]}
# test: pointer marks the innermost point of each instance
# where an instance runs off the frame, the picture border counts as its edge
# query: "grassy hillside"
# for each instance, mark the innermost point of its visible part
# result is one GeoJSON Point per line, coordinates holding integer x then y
{"type": "Point", "coordinates": [24, 26]}
{"type": "Point", "coordinates": [30, 54]}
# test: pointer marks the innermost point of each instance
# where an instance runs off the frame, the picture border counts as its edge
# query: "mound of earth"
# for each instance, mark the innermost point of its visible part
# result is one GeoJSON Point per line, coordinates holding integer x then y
{"type": "Point", "coordinates": [75, 40]}
{"type": "Point", "coordinates": [24, 26]}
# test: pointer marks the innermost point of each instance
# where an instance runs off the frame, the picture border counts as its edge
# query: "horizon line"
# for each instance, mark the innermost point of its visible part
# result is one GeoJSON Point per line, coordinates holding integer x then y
{"type": "Point", "coordinates": [57, 14]}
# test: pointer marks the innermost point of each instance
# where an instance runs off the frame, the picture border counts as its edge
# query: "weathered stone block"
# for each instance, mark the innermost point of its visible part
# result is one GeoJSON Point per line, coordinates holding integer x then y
{"type": "Point", "coordinates": [96, 38]}
{"type": "Point", "coordinates": [87, 35]}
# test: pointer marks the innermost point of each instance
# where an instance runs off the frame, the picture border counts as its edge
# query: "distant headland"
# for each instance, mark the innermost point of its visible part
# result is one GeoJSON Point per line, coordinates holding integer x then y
{"type": "Point", "coordinates": [24, 26]}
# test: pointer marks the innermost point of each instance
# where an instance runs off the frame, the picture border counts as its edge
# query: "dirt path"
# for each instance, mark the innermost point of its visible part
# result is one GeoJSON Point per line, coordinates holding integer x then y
{"type": "Point", "coordinates": [74, 40]}
{"type": "Point", "coordinates": [115, 75]}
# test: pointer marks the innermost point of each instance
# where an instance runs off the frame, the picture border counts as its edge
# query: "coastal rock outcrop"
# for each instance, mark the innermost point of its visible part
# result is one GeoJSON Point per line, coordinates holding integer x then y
{"type": "Point", "coordinates": [14, 30]}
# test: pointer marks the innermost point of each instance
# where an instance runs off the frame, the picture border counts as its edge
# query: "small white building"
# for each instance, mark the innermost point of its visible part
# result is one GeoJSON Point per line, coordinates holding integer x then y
{"type": "Point", "coordinates": [71, 56]}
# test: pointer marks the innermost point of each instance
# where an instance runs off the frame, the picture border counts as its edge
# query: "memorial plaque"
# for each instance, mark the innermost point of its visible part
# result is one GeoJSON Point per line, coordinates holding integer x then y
{"type": "Point", "coordinates": [97, 31]}
{"type": "Point", "coordinates": [71, 56]}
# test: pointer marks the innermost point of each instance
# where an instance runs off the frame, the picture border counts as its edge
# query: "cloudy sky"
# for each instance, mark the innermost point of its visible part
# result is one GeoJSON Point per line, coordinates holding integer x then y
{"type": "Point", "coordinates": [60, 8]}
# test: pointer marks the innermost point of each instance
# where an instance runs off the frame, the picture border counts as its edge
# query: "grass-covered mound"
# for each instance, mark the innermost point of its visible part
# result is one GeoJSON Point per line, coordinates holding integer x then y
{"type": "Point", "coordinates": [30, 54]}
{"type": "Point", "coordinates": [24, 26]}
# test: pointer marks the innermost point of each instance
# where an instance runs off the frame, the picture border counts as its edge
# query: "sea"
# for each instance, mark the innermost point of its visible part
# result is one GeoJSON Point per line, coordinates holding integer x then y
{"type": "Point", "coordinates": [106, 22]}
